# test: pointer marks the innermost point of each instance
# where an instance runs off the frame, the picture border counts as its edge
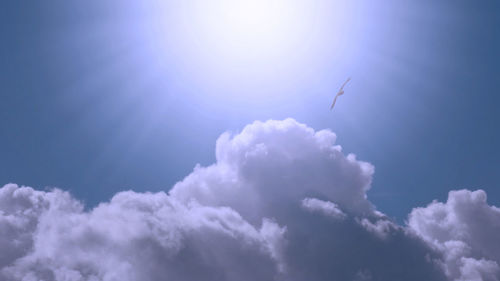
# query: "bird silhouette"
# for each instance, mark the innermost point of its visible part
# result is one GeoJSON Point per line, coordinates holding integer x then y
{"type": "Point", "coordinates": [340, 92]}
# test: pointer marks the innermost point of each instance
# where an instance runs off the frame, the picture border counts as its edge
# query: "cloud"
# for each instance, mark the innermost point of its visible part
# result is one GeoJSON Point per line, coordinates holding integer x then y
{"type": "Point", "coordinates": [282, 202]}
{"type": "Point", "coordinates": [324, 207]}
{"type": "Point", "coordinates": [270, 167]}
{"type": "Point", "coordinates": [466, 230]}
{"type": "Point", "coordinates": [133, 237]}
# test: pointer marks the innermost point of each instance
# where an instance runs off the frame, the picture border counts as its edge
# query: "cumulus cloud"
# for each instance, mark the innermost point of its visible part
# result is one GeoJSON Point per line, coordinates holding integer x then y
{"type": "Point", "coordinates": [270, 167]}
{"type": "Point", "coordinates": [466, 230]}
{"type": "Point", "coordinates": [325, 207]}
{"type": "Point", "coordinates": [133, 237]}
{"type": "Point", "coordinates": [281, 202]}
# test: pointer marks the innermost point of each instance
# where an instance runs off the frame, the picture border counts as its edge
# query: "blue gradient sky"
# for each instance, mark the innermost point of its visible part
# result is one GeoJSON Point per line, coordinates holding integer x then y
{"type": "Point", "coordinates": [102, 96]}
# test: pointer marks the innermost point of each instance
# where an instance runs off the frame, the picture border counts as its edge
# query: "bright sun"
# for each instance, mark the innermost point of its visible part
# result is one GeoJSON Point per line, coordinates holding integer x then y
{"type": "Point", "coordinates": [252, 47]}
{"type": "Point", "coordinates": [244, 28]}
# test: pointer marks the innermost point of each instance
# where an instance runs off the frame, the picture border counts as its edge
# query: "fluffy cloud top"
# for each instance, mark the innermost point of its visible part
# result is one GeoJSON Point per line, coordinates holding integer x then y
{"type": "Point", "coordinates": [467, 230]}
{"type": "Point", "coordinates": [325, 207]}
{"type": "Point", "coordinates": [133, 237]}
{"type": "Point", "coordinates": [282, 202]}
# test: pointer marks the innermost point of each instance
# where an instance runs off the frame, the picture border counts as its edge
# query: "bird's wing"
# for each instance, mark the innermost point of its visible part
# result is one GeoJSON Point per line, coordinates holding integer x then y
{"type": "Point", "coordinates": [345, 83]}
{"type": "Point", "coordinates": [334, 101]}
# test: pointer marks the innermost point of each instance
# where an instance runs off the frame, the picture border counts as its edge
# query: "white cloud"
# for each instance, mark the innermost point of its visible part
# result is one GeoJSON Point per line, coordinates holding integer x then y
{"type": "Point", "coordinates": [282, 202]}
{"type": "Point", "coordinates": [324, 207]}
{"type": "Point", "coordinates": [133, 237]}
{"type": "Point", "coordinates": [269, 166]}
{"type": "Point", "coordinates": [467, 230]}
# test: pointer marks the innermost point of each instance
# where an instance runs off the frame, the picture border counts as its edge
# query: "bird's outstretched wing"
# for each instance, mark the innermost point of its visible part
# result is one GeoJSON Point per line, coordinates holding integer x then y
{"type": "Point", "coordinates": [345, 83]}
{"type": "Point", "coordinates": [334, 101]}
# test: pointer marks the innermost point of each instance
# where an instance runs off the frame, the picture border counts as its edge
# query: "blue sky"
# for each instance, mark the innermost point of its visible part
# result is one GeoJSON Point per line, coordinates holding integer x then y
{"type": "Point", "coordinates": [100, 97]}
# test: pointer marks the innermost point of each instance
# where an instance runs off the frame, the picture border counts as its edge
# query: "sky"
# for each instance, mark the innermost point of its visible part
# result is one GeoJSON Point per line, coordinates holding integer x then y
{"type": "Point", "coordinates": [101, 97]}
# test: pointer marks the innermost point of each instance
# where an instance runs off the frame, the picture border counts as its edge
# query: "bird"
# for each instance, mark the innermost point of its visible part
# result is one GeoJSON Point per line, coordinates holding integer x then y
{"type": "Point", "coordinates": [340, 92]}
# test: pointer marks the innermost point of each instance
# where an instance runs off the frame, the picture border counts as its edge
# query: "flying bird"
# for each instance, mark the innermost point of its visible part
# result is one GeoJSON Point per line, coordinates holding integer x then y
{"type": "Point", "coordinates": [340, 92]}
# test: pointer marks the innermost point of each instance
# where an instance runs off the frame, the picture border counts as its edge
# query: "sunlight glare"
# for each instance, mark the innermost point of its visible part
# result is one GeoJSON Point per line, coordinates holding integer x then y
{"type": "Point", "coordinates": [250, 28]}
